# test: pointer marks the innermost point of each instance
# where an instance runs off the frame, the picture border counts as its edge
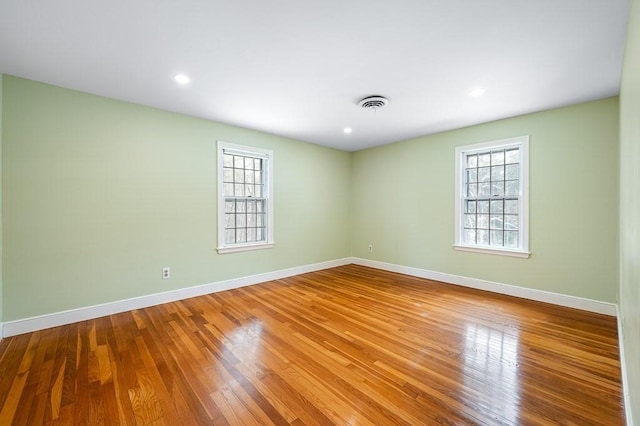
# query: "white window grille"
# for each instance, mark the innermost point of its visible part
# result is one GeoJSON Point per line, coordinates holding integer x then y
{"type": "Point", "coordinates": [492, 197]}
{"type": "Point", "coordinates": [245, 201]}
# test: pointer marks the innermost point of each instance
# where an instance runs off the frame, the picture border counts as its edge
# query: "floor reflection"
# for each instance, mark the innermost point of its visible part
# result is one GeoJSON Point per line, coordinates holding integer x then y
{"type": "Point", "coordinates": [242, 352]}
{"type": "Point", "coordinates": [245, 341]}
{"type": "Point", "coordinates": [491, 369]}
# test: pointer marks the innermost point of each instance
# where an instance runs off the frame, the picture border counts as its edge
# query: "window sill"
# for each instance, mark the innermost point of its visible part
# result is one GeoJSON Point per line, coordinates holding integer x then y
{"type": "Point", "coordinates": [487, 250]}
{"type": "Point", "coordinates": [244, 247]}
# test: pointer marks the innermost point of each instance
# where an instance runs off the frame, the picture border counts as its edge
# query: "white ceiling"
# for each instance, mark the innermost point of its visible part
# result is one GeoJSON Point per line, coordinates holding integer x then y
{"type": "Point", "coordinates": [297, 68]}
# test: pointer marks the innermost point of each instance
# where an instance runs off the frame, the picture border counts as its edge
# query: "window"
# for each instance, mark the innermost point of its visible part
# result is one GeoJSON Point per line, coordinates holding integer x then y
{"type": "Point", "coordinates": [492, 197]}
{"type": "Point", "coordinates": [245, 201]}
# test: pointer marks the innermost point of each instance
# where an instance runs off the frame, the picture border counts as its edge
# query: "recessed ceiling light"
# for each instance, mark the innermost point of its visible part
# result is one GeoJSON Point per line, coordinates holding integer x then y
{"type": "Point", "coordinates": [478, 91]}
{"type": "Point", "coordinates": [182, 78]}
{"type": "Point", "coordinates": [347, 130]}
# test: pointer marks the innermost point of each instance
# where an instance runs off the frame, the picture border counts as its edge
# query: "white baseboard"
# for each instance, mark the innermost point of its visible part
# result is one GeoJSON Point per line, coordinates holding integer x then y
{"type": "Point", "coordinates": [625, 378]}
{"type": "Point", "coordinates": [510, 290]}
{"type": "Point", "coordinates": [27, 325]}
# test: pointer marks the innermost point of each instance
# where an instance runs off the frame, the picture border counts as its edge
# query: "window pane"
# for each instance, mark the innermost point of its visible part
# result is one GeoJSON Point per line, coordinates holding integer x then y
{"type": "Point", "coordinates": [230, 236]}
{"type": "Point", "coordinates": [239, 190]}
{"type": "Point", "coordinates": [238, 162]}
{"type": "Point", "coordinates": [469, 220]}
{"type": "Point", "coordinates": [512, 156]}
{"type": "Point", "coordinates": [248, 176]}
{"type": "Point", "coordinates": [512, 172]}
{"type": "Point", "coordinates": [258, 177]}
{"type": "Point", "coordinates": [497, 206]}
{"type": "Point", "coordinates": [260, 220]}
{"type": "Point", "coordinates": [251, 220]}
{"type": "Point", "coordinates": [257, 164]}
{"type": "Point", "coordinates": [260, 234]}
{"type": "Point", "coordinates": [229, 206]}
{"type": "Point", "coordinates": [511, 206]}
{"type": "Point", "coordinates": [472, 175]}
{"type": "Point", "coordinates": [497, 189]}
{"type": "Point", "coordinates": [229, 220]}
{"type": "Point", "coordinates": [227, 188]}
{"type": "Point", "coordinates": [483, 206]}
{"type": "Point", "coordinates": [471, 206]}
{"type": "Point", "coordinates": [472, 190]}
{"type": "Point", "coordinates": [484, 159]}
{"type": "Point", "coordinates": [248, 163]}
{"type": "Point", "coordinates": [251, 206]}
{"type": "Point", "coordinates": [238, 176]}
{"type": "Point", "coordinates": [484, 174]}
{"type": "Point", "coordinates": [483, 237]}
{"type": "Point", "coordinates": [227, 160]}
{"type": "Point", "coordinates": [469, 236]}
{"type": "Point", "coordinates": [472, 160]}
{"type": "Point", "coordinates": [497, 157]}
{"type": "Point", "coordinates": [511, 222]}
{"type": "Point", "coordinates": [495, 238]}
{"type": "Point", "coordinates": [484, 190]}
{"type": "Point", "coordinates": [497, 173]}
{"type": "Point", "coordinates": [496, 221]}
{"type": "Point", "coordinates": [228, 175]}
{"type": "Point", "coordinates": [483, 221]}
{"type": "Point", "coordinates": [257, 191]}
{"type": "Point", "coordinates": [241, 221]}
{"type": "Point", "coordinates": [512, 188]}
{"type": "Point", "coordinates": [241, 206]}
{"type": "Point", "coordinates": [241, 235]}
{"type": "Point", "coordinates": [260, 206]}
{"type": "Point", "coordinates": [511, 239]}
{"type": "Point", "coordinates": [251, 235]}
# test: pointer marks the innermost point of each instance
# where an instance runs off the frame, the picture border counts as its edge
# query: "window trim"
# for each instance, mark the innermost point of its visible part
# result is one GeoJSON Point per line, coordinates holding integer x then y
{"type": "Point", "coordinates": [267, 155]}
{"type": "Point", "coordinates": [460, 152]}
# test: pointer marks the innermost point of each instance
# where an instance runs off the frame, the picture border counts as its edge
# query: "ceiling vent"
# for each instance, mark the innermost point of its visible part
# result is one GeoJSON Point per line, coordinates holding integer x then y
{"type": "Point", "coordinates": [373, 102]}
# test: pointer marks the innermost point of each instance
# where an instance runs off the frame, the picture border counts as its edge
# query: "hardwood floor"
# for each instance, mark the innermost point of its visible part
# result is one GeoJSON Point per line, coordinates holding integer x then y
{"type": "Point", "coordinates": [348, 346]}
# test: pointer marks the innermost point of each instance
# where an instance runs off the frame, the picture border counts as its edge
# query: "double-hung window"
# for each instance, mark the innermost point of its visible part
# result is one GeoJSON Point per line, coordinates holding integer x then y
{"type": "Point", "coordinates": [245, 198]}
{"type": "Point", "coordinates": [492, 197]}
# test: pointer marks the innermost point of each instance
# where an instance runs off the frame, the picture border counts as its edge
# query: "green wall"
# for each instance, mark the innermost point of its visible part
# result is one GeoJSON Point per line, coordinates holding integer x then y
{"type": "Point", "coordinates": [403, 202]}
{"type": "Point", "coordinates": [100, 194]}
{"type": "Point", "coordinates": [630, 209]}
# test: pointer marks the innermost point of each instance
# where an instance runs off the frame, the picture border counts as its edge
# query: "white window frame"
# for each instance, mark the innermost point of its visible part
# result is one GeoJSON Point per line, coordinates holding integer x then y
{"type": "Point", "coordinates": [267, 156]}
{"type": "Point", "coordinates": [522, 250]}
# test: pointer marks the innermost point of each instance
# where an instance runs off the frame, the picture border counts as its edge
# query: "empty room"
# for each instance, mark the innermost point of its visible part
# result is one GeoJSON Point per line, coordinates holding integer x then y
{"type": "Point", "coordinates": [316, 213]}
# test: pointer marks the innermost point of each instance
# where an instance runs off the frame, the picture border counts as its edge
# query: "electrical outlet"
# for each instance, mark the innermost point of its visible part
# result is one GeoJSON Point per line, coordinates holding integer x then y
{"type": "Point", "coordinates": [370, 248]}
{"type": "Point", "coordinates": [166, 273]}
